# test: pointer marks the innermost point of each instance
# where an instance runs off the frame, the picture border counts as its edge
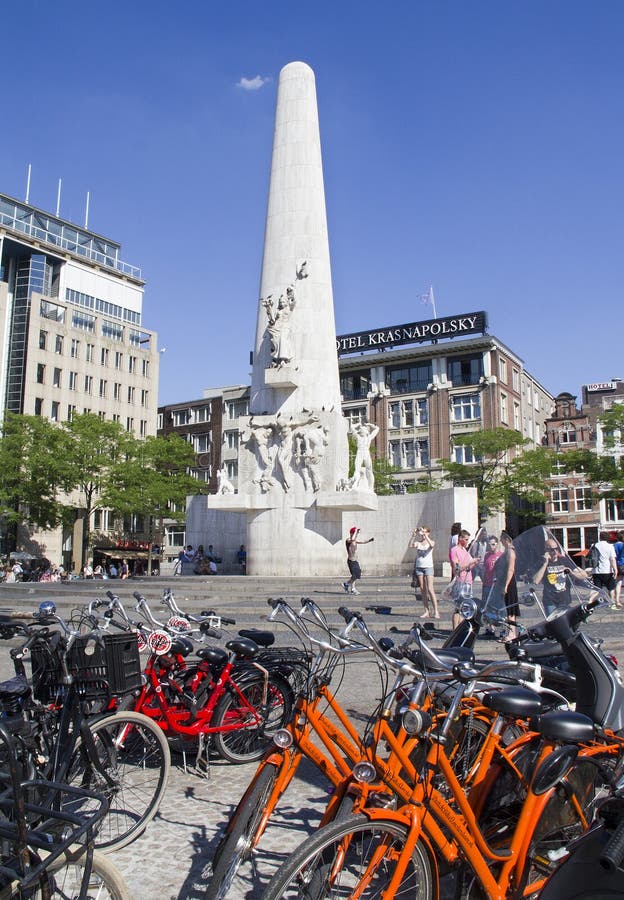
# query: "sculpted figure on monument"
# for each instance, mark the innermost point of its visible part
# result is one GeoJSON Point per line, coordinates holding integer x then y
{"type": "Point", "coordinates": [285, 434]}
{"type": "Point", "coordinates": [363, 477]}
{"type": "Point", "coordinates": [311, 443]}
{"type": "Point", "coordinates": [225, 486]}
{"type": "Point", "coordinates": [258, 437]}
{"type": "Point", "coordinates": [279, 327]}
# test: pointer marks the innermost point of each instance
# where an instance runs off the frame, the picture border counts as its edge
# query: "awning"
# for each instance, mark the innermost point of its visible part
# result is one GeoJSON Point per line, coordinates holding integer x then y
{"type": "Point", "coordinates": [124, 554]}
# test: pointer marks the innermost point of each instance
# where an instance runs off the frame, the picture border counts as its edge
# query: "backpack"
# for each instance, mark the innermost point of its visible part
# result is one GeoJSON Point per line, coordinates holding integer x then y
{"type": "Point", "coordinates": [594, 557]}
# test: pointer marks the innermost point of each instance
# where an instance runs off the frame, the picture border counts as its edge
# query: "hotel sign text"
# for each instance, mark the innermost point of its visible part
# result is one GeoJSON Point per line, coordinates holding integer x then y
{"type": "Point", "coordinates": [416, 333]}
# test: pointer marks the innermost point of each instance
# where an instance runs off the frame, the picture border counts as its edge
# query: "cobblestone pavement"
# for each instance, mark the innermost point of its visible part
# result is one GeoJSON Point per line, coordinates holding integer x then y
{"type": "Point", "coordinates": [169, 860]}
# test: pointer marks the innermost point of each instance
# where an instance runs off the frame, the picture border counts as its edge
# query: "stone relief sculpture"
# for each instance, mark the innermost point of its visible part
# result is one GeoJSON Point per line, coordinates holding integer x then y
{"type": "Point", "coordinates": [279, 327]}
{"type": "Point", "coordinates": [280, 444]}
{"type": "Point", "coordinates": [310, 446]}
{"type": "Point", "coordinates": [257, 437]}
{"type": "Point", "coordinates": [363, 477]}
{"type": "Point", "coordinates": [279, 317]}
{"type": "Point", "coordinates": [225, 486]}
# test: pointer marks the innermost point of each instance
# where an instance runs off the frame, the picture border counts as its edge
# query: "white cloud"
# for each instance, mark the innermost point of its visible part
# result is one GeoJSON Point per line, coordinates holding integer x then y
{"type": "Point", "coordinates": [252, 84]}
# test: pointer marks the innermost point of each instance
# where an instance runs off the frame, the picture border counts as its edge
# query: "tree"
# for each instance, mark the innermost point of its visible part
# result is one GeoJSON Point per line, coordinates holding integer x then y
{"type": "Point", "coordinates": [92, 450]}
{"type": "Point", "coordinates": [152, 481]}
{"type": "Point", "coordinates": [496, 476]}
{"type": "Point", "coordinates": [30, 473]}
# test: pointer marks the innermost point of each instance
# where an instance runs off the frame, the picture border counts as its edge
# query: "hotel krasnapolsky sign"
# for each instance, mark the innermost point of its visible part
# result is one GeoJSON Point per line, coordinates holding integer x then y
{"type": "Point", "coordinates": [416, 333]}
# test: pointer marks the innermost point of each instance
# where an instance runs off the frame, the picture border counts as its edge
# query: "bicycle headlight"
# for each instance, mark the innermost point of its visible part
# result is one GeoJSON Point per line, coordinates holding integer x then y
{"type": "Point", "coordinates": [364, 772]}
{"type": "Point", "coordinates": [283, 738]}
{"type": "Point", "coordinates": [415, 721]}
{"type": "Point", "coordinates": [467, 609]}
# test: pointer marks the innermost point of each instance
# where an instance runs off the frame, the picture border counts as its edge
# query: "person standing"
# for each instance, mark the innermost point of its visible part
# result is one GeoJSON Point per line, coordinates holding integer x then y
{"type": "Point", "coordinates": [619, 560]}
{"type": "Point", "coordinates": [352, 562]}
{"type": "Point", "coordinates": [505, 579]}
{"type": "Point", "coordinates": [463, 564]}
{"type": "Point", "coordinates": [492, 554]}
{"type": "Point", "coordinates": [423, 569]}
{"type": "Point", "coordinates": [454, 538]}
{"type": "Point", "coordinates": [124, 571]}
{"type": "Point", "coordinates": [605, 573]}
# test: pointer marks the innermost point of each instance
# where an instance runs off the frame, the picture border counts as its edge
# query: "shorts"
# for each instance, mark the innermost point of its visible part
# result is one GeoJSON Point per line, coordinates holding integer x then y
{"type": "Point", "coordinates": [354, 568]}
{"type": "Point", "coordinates": [604, 580]}
{"type": "Point", "coordinates": [423, 570]}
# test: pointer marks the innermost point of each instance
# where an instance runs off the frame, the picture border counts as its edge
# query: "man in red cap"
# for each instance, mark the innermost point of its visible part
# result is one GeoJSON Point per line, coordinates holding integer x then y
{"type": "Point", "coordinates": [354, 566]}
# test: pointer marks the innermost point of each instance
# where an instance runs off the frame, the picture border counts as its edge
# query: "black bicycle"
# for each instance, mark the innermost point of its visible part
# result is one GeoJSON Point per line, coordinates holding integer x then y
{"type": "Point", "coordinates": [122, 755]}
{"type": "Point", "coordinates": [53, 858]}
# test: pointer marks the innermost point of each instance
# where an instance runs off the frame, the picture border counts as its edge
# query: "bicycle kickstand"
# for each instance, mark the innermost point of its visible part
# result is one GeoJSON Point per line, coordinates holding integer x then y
{"type": "Point", "coordinates": [202, 760]}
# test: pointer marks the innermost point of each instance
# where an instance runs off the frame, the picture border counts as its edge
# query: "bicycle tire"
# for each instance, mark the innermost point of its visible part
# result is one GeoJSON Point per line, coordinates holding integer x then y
{"type": "Point", "coordinates": [235, 848]}
{"type": "Point", "coordinates": [327, 852]}
{"type": "Point", "coordinates": [65, 876]}
{"type": "Point", "coordinates": [140, 768]}
{"type": "Point", "coordinates": [248, 742]}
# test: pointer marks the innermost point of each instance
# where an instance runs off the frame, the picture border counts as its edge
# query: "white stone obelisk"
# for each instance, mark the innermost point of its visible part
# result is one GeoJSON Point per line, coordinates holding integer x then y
{"type": "Point", "coordinates": [293, 452]}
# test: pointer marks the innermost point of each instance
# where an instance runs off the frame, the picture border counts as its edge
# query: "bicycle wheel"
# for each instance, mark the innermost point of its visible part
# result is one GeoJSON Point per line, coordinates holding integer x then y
{"type": "Point", "coordinates": [332, 862]}
{"type": "Point", "coordinates": [65, 876]}
{"type": "Point", "coordinates": [134, 753]}
{"type": "Point", "coordinates": [234, 848]}
{"type": "Point", "coordinates": [247, 738]}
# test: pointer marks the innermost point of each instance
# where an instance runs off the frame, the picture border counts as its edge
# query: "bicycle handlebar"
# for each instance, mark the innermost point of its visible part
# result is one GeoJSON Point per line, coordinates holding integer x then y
{"type": "Point", "coordinates": [612, 856]}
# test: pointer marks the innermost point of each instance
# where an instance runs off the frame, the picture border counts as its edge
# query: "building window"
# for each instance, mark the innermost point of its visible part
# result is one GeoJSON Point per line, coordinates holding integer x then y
{"type": "Point", "coordinates": [118, 359]}
{"type": "Point", "coordinates": [58, 344]}
{"type": "Point", "coordinates": [145, 367]}
{"type": "Point", "coordinates": [117, 391]}
{"type": "Point", "coordinates": [116, 417]}
{"type": "Point", "coordinates": [465, 407]}
{"type": "Point", "coordinates": [463, 454]}
{"type": "Point", "coordinates": [355, 385]}
{"type": "Point", "coordinates": [88, 384]}
{"type": "Point", "coordinates": [201, 413]}
{"type": "Point", "coordinates": [583, 499]}
{"type": "Point", "coordinates": [43, 340]}
{"type": "Point", "coordinates": [38, 406]}
{"type": "Point", "coordinates": [144, 397]}
{"type": "Point", "coordinates": [406, 379]}
{"type": "Point", "coordinates": [71, 409]}
{"type": "Point", "coordinates": [40, 373]}
{"type": "Point", "coordinates": [201, 442]}
{"type": "Point", "coordinates": [55, 411]}
{"type": "Point", "coordinates": [503, 409]}
{"type": "Point", "coordinates": [104, 356]}
{"type": "Point", "coordinates": [90, 351]}
{"type": "Point", "coordinates": [502, 369]}
{"type": "Point", "coordinates": [130, 394]}
{"type": "Point", "coordinates": [73, 381]}
{"type": "Point", "coordinates": [232, 468]}
{"type": "Point", "coordinates": [394, 411]}
{"type": "Point", "coordinates": [129, 424]}
{"type": "Point", "coordinates": [181, 417]}
{"type": "Point", "coordinates": [83, 320]}
{"type": "Point", "coordinates": [103, 387]}
{"type": "Point", "coordinates": [614, 510]}
{"type": "Point", "coordinates": [132, 360]}
{"type": "Point", "coordinates": [237, 408]}
{"type": "Point", "coordinates": [516, 416]}
{"type": "Point", "coordinates": [74, 349]}
{"type": "Point", "coordinates": [175, 536]}
{"type": "Point", "coordinates": [356, 415]}
{"type": "Point", "coordinates": [102, 520]}
{"type": "Point", "coordinates": [112, 331]}
{"type": "Point", "coordinates": [559, 500]}
{"type": "Point", "coordinates": [464, 370]}
{"type": "Point", "coordinates": [515, 380]}
{"type": "Point", "coordinates": [567, 434]}
{"type": "Point", "coordinates": [231, 439]}
{"type": "Point", "coordinates": [143, 428]}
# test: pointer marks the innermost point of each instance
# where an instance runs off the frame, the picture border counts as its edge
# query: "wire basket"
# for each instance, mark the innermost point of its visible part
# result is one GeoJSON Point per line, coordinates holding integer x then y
{"type": "Point", "coordinates": [101, 667]}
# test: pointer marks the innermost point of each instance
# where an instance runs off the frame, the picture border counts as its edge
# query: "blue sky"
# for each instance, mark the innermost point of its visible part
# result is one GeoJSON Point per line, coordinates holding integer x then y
{"type": "Point", "coordinates": [474, 146]}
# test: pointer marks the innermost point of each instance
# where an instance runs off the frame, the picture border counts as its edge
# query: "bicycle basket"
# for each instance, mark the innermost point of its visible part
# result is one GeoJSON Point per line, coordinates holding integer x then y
{"type": "Point", "coordinates": [101, 668]}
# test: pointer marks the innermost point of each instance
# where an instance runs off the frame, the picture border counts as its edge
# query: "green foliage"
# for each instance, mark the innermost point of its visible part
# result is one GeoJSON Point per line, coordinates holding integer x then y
{"type": "Point", "coordinates": [47, 471]}
{"type": "Point", "coordinates": [497, 477]}
{"type": "Point", "coordinates": [30, 471]}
